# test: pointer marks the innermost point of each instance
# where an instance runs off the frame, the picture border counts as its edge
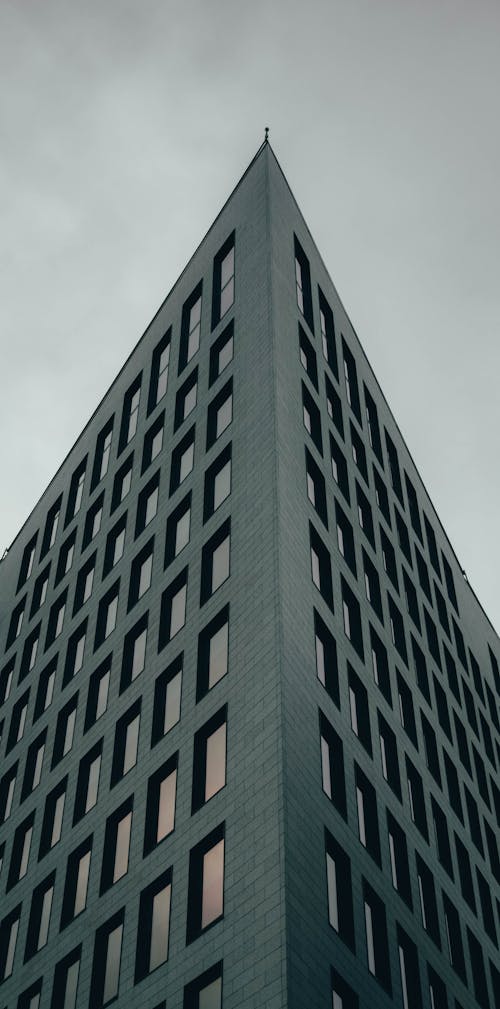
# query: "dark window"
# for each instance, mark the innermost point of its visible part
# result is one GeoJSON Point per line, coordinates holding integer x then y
{"type": "Point", "coordinates": [442, 708]}
{"type": "Point", "coordinates": [160, 804]}
{"type": "Point", "coordinates": [476, 675]}
{"type": "Point", "coordinates": [365, 515]}
{"type": "Point", "coordinates": [217, 483]}
{"type": "Point", "coordinates": [428, 903]}
{"type": "Point", "coordinates": [382, 496]}
{"type": "Point", "coordinates": [312, 419]}
{"type": "Point", "coordinates": [65, 988]}
{"type": "Point", "coordinates": [303, 284]}
{"type": "Point", "coordinates": [84, 583]}
{"type": "Point", "coordinates": [487, 739]}
{"type": "Point", "coordinates": [414, 509]}
{"type": "Point", "coordinates": [403, 535]}
{"type": "Point", "coordinates": [75, 653]}
{"type": "Point", "coordinates": [442, 837]}
{"type": "Point", "coordinates": [462, 743]}
{"type": "Point", "coordinates": [339, 890]}
{"type": "Point", "coordinates": [88, 782]}
{"type": "Point", "coordinates": [30, 652]}
{"type": "Point", "coordinates": [327, 333]}
{"type": "Point", "coordinates": [409, 971]}
{"type": "Point", "coordinates": [481, 776]}
{"type": "Point", "coordinates": [141, 572]}
{"type": "Point", "coordinates": [77, 880]}
{"type": "Point", "coordinates": [380, 665]}
{"type": "Point", "coordinates": [147, 503]}
{"type": "Point", "coordinates": [437, 990]}
{"type": "Point", "coordinates": [215, 561]}
{"type": "Point", "coordinates": [351, 381]}
{"type": "Point", "coordinates": [154, 926]}
{"type": "Point", "coordinates": [45, 690]}
{"type": "Point", "coordinates": [213, 653]}
{"type": "Point", "coordinates": [221, 353]}
{"type": "Point", "coordinates": [97, 699]}
{"type": "Point", "coordinates": [178, 530]}
{"type": "Point", "coordinates": [373, 426]}
{"type": "Point", "coordinates": [41, 586]}
{"type": "Point", "coordinates": [115, 545]}
{"type": "Point", "coordinates": [359, 453]}
{"type": "Point", "coordinates": [53, 817]}
{"type": "Point", "coordinates": [394, 467]}
{"type": "Point", "coordinates": [182, 460]}
{"type": "Point", "coordinates": [321, 568]}
{"type": "Point", "coordinates": [486, 906]}
{"type": "Point", "coordinates": [209, 759]}
{"type": "Point", "coordinates": [130, 413]}
{"type": "Point", "coordinates": [205, 990]}
{"type": "Point", "coordinates": [308, 357]}
{"type": "Point", "coordinates": [432, 546]}
{"type": "Point", "coordinates": [34, 765]}
{"type": "Point", "coordinates": [465, 874]}
{"type": "Point", "coordinates": [416, 799]}
{"type": "Point", "coordinates": [411, 599]}
{"type": "Point", "coordinates": [159, 371]}
{"type": "Point", "coordinates": [495, 670]}
{"type": "Point", "coordinates": [206, 883]}
{"type": "Point", "coordinates": [185, 400]}
{"type": "Point", "coordinates": [326, 659]}
{"type": "Point", "coordinates": [420, 670]}
{"type": "Point", "coordinates": [51, 526]}
{"type": "Point", "coordinates": [39, 920]}
{"type": "Point", "coordinates": [16, 622]}
{"type": "Point", "coordinates": [397, 629]}
{"type": "Point", "coordinates": [30, 999]}
{"type": "Point", "coordinates": [9, 929]}
{"type": "Point", "coordinates": [389, 756]}
{"type": "Point", "coordinates": [316, 488]}
{"type": "Point", "coordinates": [106, 614]}
{"type": "Point", "coordinates": [345, 538]}
{"type": "Point", "coordinates": [377, 946]}
{"type": "Point", "coordinates": [372, 586]}
{"type": "Point", "coordinates": [470, 708]}
{"type": "Point", "coordinates": [126, 743]}
{"type": "Point", "coordinates": [460, 645]}
{"type": "Point", "coordinates": [223, 281]}
{"type": "Point", "coordinates": [122, 482]}
{"type": "Point", "coordinates": [423, 575]}
{"type": "Point", "coordinates": [398, 854]}
{"type": "Point", "coordinates": [65, 730]}
{"type": "Point", "coordinates": [116, 845]}
{"type": "Point", "coordinates": [492, 846]}
{"type": "Point", "coordinates": [334, 406]}
{"type": "Point", "coordinates": [359, 709]}
{"type": "Point", "coordinates": [153, 441]}
{"type": "Point", "coordinates": [102, 453]}
{"type": "Point", "coordinates": [21, 848]}
{"type": "Point", "coordinates": [351, 614]}
{"type": "Point", "coordinates": [332, 765]}
{"type": "Point", "coordinates": [450, 584]}
{"type": "Point", "coordinates": [478, 971]}
{"type": "Point", "coordinates": [339, 468]}
{"type": "Point", "coordinates": [190, 328]}
{"type": "Point", "coordinates": [7, 787]}
{"type": "Point", "coordinates": [451, 672]}
{"type": "Point", "coordinates": [474, 821]}
{"type": "Point", "coordinates": [105, 982]}
{"type": "Point", "coordinates": [453, 786]}
{"type": "Point", "coordinates": [93, 521]}
{"type": "Point", "coordinates": [442, 612]}
{"type": "Point", "coordinates": [56, 619]}
{"type": "Point", "coordinates": [366, 803]}
{"type": "Point", "coordinates": [6, 677]}
{"type": "Point", "coordinates": [389, 559]}
{"type": "Point", "coordinates": [167, 700]}
{"type": "Point", "coordinates": [17, 721]}
{"type": "Point", "coordinates": [455, 946]}
{"type": "Point", "coordinates": [27, 561]}
{"type": "Point", "coordinates": [134, 652]}
{"type": "Point", "coordinates": [492, 706]}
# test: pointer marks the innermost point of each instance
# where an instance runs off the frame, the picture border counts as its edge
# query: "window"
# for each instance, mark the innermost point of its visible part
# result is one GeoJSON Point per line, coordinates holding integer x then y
{"type": "Point", "coordinates": [221, 353]}
{"type": "Point", "coordinates": [442, 708]}
{"type": "Point", "coordinates": [345, 538]}
{"type": "Point", "coordinates": [88, 782]}
{"type": "Point", "coordinates": [358, 453]}
{"type": "Point", "coordinates": [408, 966]}
{"type": "Point", "coordinates": [397, 629]}
{"type": "Point", "coordinates": [223, 281]}
{"type": "Point", "coordinates": [377, 946]}
{"type": "Point", "coordinates": [186, 398]}
{"type": "Point", "coordinates": [327, 333]}
{"type": "Point", "coordinates": [220, 413]}
{"type": "Point", "coordinates": [398, 854]}
{"type": "Point", "coordinates": [209, 759]}
{"type": "Point", "coordinates": [414, 509]}
{"type": "Point", "coordinates": [84, 583]}
{"type": "Point", "coordinates": [380, 665]}
{"type": "Point", "coordinates": [106, 615]}
{"type": "Point", "coordinates": [173, 609]}
{"type": "Point", "coordinates": [75, 653]}
{"type": "Point", "coordinates": [339, 889]}
{"type": "Point", "coordinates": [334, 406]}
{"type": "Point", "coordinates": [18, 721]}
{"type": "Point", "coordinates": [470, 708]}
{"type": "Point", "coordinates": [182, 461]}
{"type": "Point", "coordinates": [420, 670]}
{"type": "Point", "coordinates": [394, 467]}
{"type": "Point", "coordinates": [454, 938]}
{"type": "Point", "coordinates": [8, 940]}
{"type": "Point", "coordinates": [141, 571]}
{"type": "Point", "coordinates": [6, 681]}
{"type": "Point", "coordinates": [64, 563]}
{"type": "Point", "coordinates": [303, 284]}
{"type": "Point", "coordinates": [316, 488]}
{"type": "Point", "coordinates": [437, 990]}
{"type": "Point", "coordinates": [76, 491]}
{"type": "Point", "coordinates": [40, 591]}
{"type": "Point", "coordinates": [442, 837]}
{"type": "Point", "coordinates": [428, 903]}
{"type": "Point", "coordinates": [450, 584]}
{"type": "Point", "coordinates": [351, 381]}
{"type": "Point", "coordinates": [153, 442]}
{"type": "Point", "coordinates": [416, 798]}
{"type": "Point", "coordinates": [77, 881]}
{"type": "Point", "coordinates": [474, 821]}
{"type": "Point", "coordinates": [352, 618]}
{"type": "Point", "coordinates": [190, 328]}
{"type": "Point", "coordinates": [359, 709]}
{"type": "Point", "coordinates": [431, 543]}
{"type": "Point", "coordinates": [153, 928]}
{"type": "Point", "coordinates": [215, 562]}
{"type": "Point", "coordinates": [34, 764]}
{"type": "Point", "coordinates": [423, 574]}
{"type": "Point", "coordinates": [97, 698]}
{"type": "Point", "coordinates": [339, 469]}
{"type": "Point", "coordinates": [53, 817]}
{"type": "Point", "coordinates": [373, 425]}
{"type": "Point", "coordinates": [30, 652]}
{"type": "Point", "coordinates": [465, 874]}
{"type": "Point", "coordinates": [206, 883]}
{"type": "Point", "coordinates": [442, 612]}
{"type": "Point", "coordinates": [130, 414]}
{"type": "Point", "coordinates": [93, 521]}
{"type": "Point", "coordinates": [213, 653]}
{"type": "Point", "coordinates": [382, 496]}
{"type": "Point", "coordinates": [372, 586]}
{"type": "Point", "coordinates": [308, 357]}
{"type": "Point", "coordinates": [65, 988]}
{"type": "Point", "coordinates": [389, 559]}
{"type": "Point", "coordinates": [27, 561]}
{"type": "Point", "coordinates": [389, 756]}
{"type": "Point", "coordinates": [312, 419]}
{"type": "Point", "coordinates": [106, 964]}
{"type": "Point", "coordinates": [326, 659]}
{"type": "Point", "coordinates": [51, 526]}
{"type": "Point", "coordinates": [366, 804]}
{"type": "Point", "coordinates": [39, 920]}
{"type": "Point", "coordinates": [122, 482]}
{"type": "Point", "coordinates": [217, 483]}
{"type": "Point", "coordinates": [332, 765]}
{"type": "Point", "coordinates": [403, 536]}
{"type": "Point", "coordinates": [453, 786]}
{"type": "Point", "coordinates": [134, 652]}
{"type": "Point", "coordinates": [411, 600]}
{"type": "Point", "coordinates": [321, 571]}
{"type": "Point", "coordinates": [116, 845]}
{"type": "Point", "coordinates": [21, 848]}
{"type": "Point", "coordinates": [65, 731]}
{"type": "Point", "coordinates": [56, 619]}
{"type": "Point", "coordinates": [126, 743]}
{"type": "Point", "coordinates": [167, 700]}
{"type": "Point", "coordinates": [115, 545]}
{"type": "Point", "coordinates": [102, 453]}
{"type": "Point", "coordinates": [476, 675]}
{"type": "Point", "coordinates": [160, 804]}
{"type": "Point", "coordinates": [30, 999]}
{"type": "Point", "coordinates": [16, 623]}
{"type": "Point", "coordinates": [159, 371]}
{"type": "Point", "coordinates": [205, 992]}
{"type": "Point", "coordinates": [431, 750]}
{"type": "Point", "coordinates": [478, 972]}
{"type": "Point", "coordinates": [365, 515]}
{"type": "Point", "coordinates": [178, 530]}
{"type": "Point", "coordinates": [486, 906]}
{"type": "Point", "coordinates": [7, 786]}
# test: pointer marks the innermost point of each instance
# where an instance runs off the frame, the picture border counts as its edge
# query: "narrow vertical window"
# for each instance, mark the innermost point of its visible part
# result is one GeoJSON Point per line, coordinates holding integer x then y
{"type": "Point", "coordinates": [377, 945]}
{"type": "Point", "coordinates": [326, 659]}
{"type": "Point", "coordinates": [217, 483]}
{"type": "Point", "coordinates": [122, 482]}
{"type": "Point", "coordinates": [215, 561]}
{"type": "Point", "coordinates": [339, 890]}
{"type": "Point", "coordinates": [395, 472]}
{"type": "Point", "coordinates": [76, 492]}
{"type": "Point", "coordinates": [213, 653]}
{"type": "Point", "coordinates": [9, 929]}
{"type": "Point", "coordinates": [332, 765]}
{"type": "Point", "coordinates": [205, 992]}
{"type": "Point", "coordinates": [126, 742]}
{"type": "Point", "coordinates": [206, 883]}
{"type": "Point", "coordinates": [303, 284]}
{"type": "Point", "coordinates": [102, 453]}
{"type": "Point", "coordinates": [39, 920]}
{"type": "Point", "coordinates": [77, 880]}
{"type": "Point", "coordinates": [27, 561]}
{"type": "Point", "coordinates": [116, 846]}
{"type": "Point", "coordinates": [220, 413]}
{"type": "Point", "coordinates": [308, 357]}
{"type": "Point", "coordinates": [173, 609]}
{"type": "Point", "coordinates": [153, 441]}
{"type": "Point", "coordinates": [209, 760]}
{"type": "Point", "coordinates": [178, 530]}
{"type": "Point", "coordinates": [167, 700]}
{"type": "Point", "coordinates": [160, 804]}
{"type": "Point", "coordinates": [223, 281]}
{"type": "Point", "coordinates": [159, 371]}
{"type": "Point", "coordinates": [351, 381]}
{"type": "Point", "coordinates": [182, 460]}
{"type": "Point", "coordinates": [221, 353]}
{"type": "Point", "coordinates": [51, 526]}
{"type": "Point", "coordinates": [154, 923]}
{"type": "Point", "coordinates": [327, 333]}
{"type": "Point", "coordinates": [105, 982]}
{"type": "Point", "coordinates": [130, 413]}
{"type": "Point", "coordinates": [190, 328]}
{"type": "Point", "coordinates": [66, 974]}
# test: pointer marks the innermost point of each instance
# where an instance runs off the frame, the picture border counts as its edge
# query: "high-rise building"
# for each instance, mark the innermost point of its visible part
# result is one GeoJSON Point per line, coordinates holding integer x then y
{"type": "Point", "coordinates": [248, 701]}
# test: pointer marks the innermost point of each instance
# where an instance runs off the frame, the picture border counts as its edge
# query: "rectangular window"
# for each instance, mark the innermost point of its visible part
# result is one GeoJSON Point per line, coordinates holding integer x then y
{"type": "Point", "coordinates": [141, 572]}
{"type": "Point", "coordinates": [75, 653]}
{"type": "Point", "coordinates": [327, 333]}
{"type": "Point", "coordinates": [414, 509]}
{"type": "Point", "coordinates": [432, 546]}
{"type": "Point", "coordinates": [389, 756]}
{"type": "Point", "coordinates": [209, 759]}
{"type": "Point", "coordinates": [53, 817]}
{"type": "Point", "coordinates": [431, 750]}
{"type": "Point", "coordinates": [365, 517]}
{"type": "Point", "coordinates": [40, 591]}
{"type": "Point", "coordinates": [343, 996]}
{"type": "Point", "coordinates": [153, 442]}
{"type": "Point", "coordinates": [65, 989]}
{"type": "Point", "coordinates": [397, 629]}
{"type": "Point", "coordinates": [116, 845]}
{"type": "Point", "coordinates": [450, 584]}
{"type": "Point", "coordinates": [190, 328]}
{"type": "Point", "coordinates": [442, 837]}
{"type": "Point", "coordinates": [7, 787]}
{"type": "Point", "coordinates": [126, 743]}
{"type": "Point", "coordinates": [409, 972]}
{"type": "Point", "coordinates": [186, 399]}
{"type": "Point", "coordinates": [51, 527]}
{"type": "Point", "coordinates": [332, 765]}
{"type": "Point", "coordinates": [56, 619]}
{"type": "Point", "coordinates": [107, 614]}
{"type": "Point", "coordinates": [389, 559]}
{"type": "Point", "coordinates": [334, 406]}
{"type": "Point", "coordinates": [39, 920]}
{"type": "Point", "coordinates": [115, 545]}
{"type": "Point", "coordinates": [130, 413]}
{"type": "Point", "coordinates": [486, 906]}
{"type": "Point", "coordinates": [88, 782]}
{"type": "Point", "coordinates": [182, 460]}
{"type": "Point", "coordinates": [206, 883]}
{"type": "Point", "coordinates": [160, 804]}
{"type": "Point", "coordinates": [6, 677]}
{"type": "Point", "coordinates": [97, 698]}
{"type": "Point", "coordinates": [30, 999]}
{"type": "Point", "coordinates": [9, 929]}
{"type": "Point", "coordinates": [358, 453]}
{"type": "Point", "coordinates": [442, 708]}
{"type": "Point", "coordinates": [411, 600]}
{"type": "Point", "coordinates": [398, 855]}
{"type": "Point", "coordinates": [321, 568]}
{"type": "Point", "coordinates": [326, 659]}
{"type": "Point", "coordinates": [217, 483]}
{"type": "Point", "coordinates": [423, 575]}
{"type": "Point", "coordinates": [312, 419]}
{"type": "Point", "coordinates": [339, 469]}
{"type": "Point", "coordinates": [167, 700]}
{"type": "Point", "coordinates": [84, 583]}
{"type": "Point", "coordinates": [366, 803]}
{"type": "Point", "coordinates": [105, 982]}
{"type": "Point", "coordinates": [34, 764]}
{"type": "Point", "coordinates": [21, 848]}
{"type": "Point", "coordinates": [159, 371]}
{"type": "Point", "coordinates": [465, 874]}
{"type": "Point", "coordinates": [345, 538]}
{"type": "Point", "coordinates": [153, 926]}
{"type": "Point", "coordinates": [77, 881]}
{"type": "Point", "coordinates": [316, 491]}
{"type": "Point", "coordinates": [27, 562]}
{"type": "Point", "coordinates": [372, 586]}
{"type": "Point", "coordinates": [373, 426]}
{"type": "Point", "coordinates": [478, 971]}
{"type": "Point", "coordinates": [377, 945]}
{"type": "Point", "coordinates": [16, 623]}
{"type": "Point", "coordinates": [173, 609]}
{"type": "Point", "coordinates": [223, 281]}
{"type": "Point", "coordinates": [351, 381]}
{"type": "Point", "coordinates": [205, 992]}
{"type": "Point", "coordinates": [339, 891]}
{"type": "Point", "coordinates": [221, 353]}
{"type": "Point", "coordinates": [220, 413]}
{"type": "Point", "coordinates": [428, 903]}
{"type": "Point", "coordinates": [102, 453]}
{"type": "Point", "coordinates": [395, 472]}
{"type": "Point", "coordinates": [416, 799]}
{"type": "Point", "coordinates": [122, 482]}
{"type": "Point", "coordinates": [65, 731]}
{"type": "Point", "coordinates": [382, 496]}
{"type": "Point", "coordinates": [213, 653]}
{"type": "Point", "coordinates": [308, 357]}
{"type": "Point", "coordinates": [453, 786]}
{"type": "Point", "coordinates": [352, 618]}
{"type": "Point", "coordinates": [17, 722]}
{"type": "Point", "coordinates": [93, 521]}
{"type": "Point", "coordinates": [303, 284]}
{"type": "Point", "coordinates": [178, 530]}
{"type": "Point", "coordinates": [359, 709]}
{"type": "Point", "coordinates": [215, 562]}
{"type": "Point", "coordinates": [380, 665]}
{"type": "Point", "coordinates": [454, 938]}
{"type": "Point", "coordinates": [437, 991]}
{"type": "Point", "coordinates": [474, 821]}
{"type": "Point", "coordinates": [134, 652]}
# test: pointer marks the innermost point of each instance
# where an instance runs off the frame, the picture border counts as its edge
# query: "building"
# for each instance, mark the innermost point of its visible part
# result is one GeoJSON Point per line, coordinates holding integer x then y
{"type": "Point", "coordinates": [249, 703]}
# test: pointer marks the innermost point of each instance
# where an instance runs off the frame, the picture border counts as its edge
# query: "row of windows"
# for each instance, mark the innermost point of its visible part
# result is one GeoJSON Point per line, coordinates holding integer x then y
{"type": "Point", "coordinates": [222, 301]}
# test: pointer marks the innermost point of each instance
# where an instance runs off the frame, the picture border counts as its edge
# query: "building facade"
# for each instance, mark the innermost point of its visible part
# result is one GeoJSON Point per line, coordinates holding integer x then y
{"type": "Point", "coordinates": [248, 702]}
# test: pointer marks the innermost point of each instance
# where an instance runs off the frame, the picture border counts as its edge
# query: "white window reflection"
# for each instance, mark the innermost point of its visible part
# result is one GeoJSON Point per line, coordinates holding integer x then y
{"type": "Point", "coordinates": [215, 775]}
{"type": "Point", "coordinates": [212, 904]}
{"type": "Point", "coordinates": [182, 531]}
{"type": "Point", "coordinates": [93, 783]}
{"type": "Point", "coordinates": [112, 969]}
{"type": "Point", "coordinates": [122, 847]}
{"type": "Point", "coordinates": [131, 744]}
{"type": "Point", "coordinates": [172, 702]}
{"type": "Point", "coordinates": [178, 611]}
{"type": "Point", "coordinates": [210, 997]}
{"type": "Point", "coordinates": [82, 882]}
{"type": "Point", "coordinates": [166, 806]}
{"type": "Point", "coordinates": [220, 564]}
{"type": "Point", "coordinates": [222, 484]}
{"type": "Point", "coordinates": [218, 655]}
{"type": "Point", "coordinates": [160, 920]}
{"type": "Point", "coordinates": [139, 655]}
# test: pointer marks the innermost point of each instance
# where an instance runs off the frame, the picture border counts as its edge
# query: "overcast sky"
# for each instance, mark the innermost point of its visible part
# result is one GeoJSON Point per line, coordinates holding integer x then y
{"type": "Point", "coordinates": [124, 125]}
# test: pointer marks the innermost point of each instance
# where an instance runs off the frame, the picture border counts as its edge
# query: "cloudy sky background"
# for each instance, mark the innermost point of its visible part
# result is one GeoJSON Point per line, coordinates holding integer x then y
{"type": "Point", "coordinates": [124, 126]}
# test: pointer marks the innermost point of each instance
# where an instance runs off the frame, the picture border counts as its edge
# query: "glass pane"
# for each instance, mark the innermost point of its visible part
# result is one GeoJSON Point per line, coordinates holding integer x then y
{"type": "Point", "coordinates": [11, 948]}
{"type": "Point", "coordinates": [151, 507]}
{"type": "Point", "coordinates": [82, 883]}
{"type": "Point", "coordinates": [320, 660]}
{"type": "Point", "coordinates": [325, 767]}
{"type": "Point", "coordinates": [225, 355]}
{"type": "Point", "coordinates": [58, 818]}
{"type": "Point", "coordinates": [195, 314]}
{"type": "Point", "coordinates": [213, 884]}
{"type": "Point", "coordinates": [145, 575]}
{"type": "Point", "coordinates": [211, 996]}
{"type": "Point", "coordinates": [159, 928]}
{"type": "Point", "coordinates": [119, 545]}
{"type": "Point", "coordinates": [50, 690]}
{"type": "Point", "coordinates": [112, 974]}
{"type": "Point", "coordinates": [218, 655]}
{"type": "Point", "coordinates": [139, 656]}
{"type": "Point", "coordinates": [173, 702]}
{"type": "Point", "coordinates": [215, 778]}
{"type": "Point", "coordinates": [187, 461]}
{"type": "Point", "coordinates": [45, 918]}
{"type": "Point", "coordinates": [70, 730]}
{"type": "Point", "coordinates": [222, 484]}
{"type": "Point", "coordinates": [111, 616]}
{"type": "Point", "coordinates": [79, 652]}
{"type": "Point", "coordinates": [370, 949]}
{"type": "Point", "coordinates": [224, 416]}
{"type": "Point", "coordinates": [131, 744]}
{"type": "Point", "coordinates": [178, 611]}
{"type": "Point", "coordinates": [220, 564]}
{"type": "Point", "coordinates": [333, 910]}
{"type": "Point", "coordinates": [166, 806]}
{"type": "Point", "coordinates": [26, 852]}
{"type": "Point", "coordinates": [122, 847]}
{"type": "Point", "coordinates": [193, 342]}
{"type": "Point", "coordinates": [156, 444]}
{"type": "Point", "coordinates": [182, 531]}
{"type": "Point", "coordinates": [102, 696]}
{"type": "Point", "coordinates": [71, 986]}
{"type": "Point", "coordinates": [189, 401]}
{"type": "Point", "coordinates": [93, 784]}
{"type": "Point", "coordinates": [227, 267]}
{"type": "Point", "coordinates": [227, 297]}
{"type": "Point", "coordinates": [37, 774]}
